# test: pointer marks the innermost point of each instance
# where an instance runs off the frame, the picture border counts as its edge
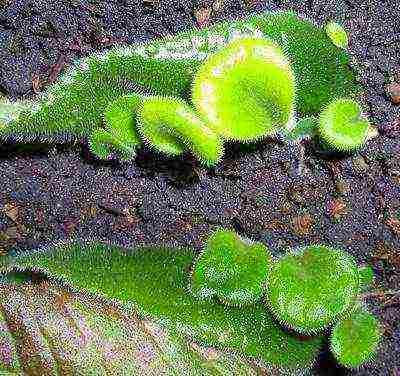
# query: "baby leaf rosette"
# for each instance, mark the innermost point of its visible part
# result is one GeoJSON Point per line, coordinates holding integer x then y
{"type": "Point", "coordinates": [310, 289]}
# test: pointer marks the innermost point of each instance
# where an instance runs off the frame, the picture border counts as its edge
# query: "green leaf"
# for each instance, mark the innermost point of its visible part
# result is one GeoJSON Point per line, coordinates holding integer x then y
{"type": "Point", "coordinates": [47, 329]}
{"type": "Point", "coordinates": [341, 126]}
{"type": "Point", "coordinates": [170, 125]}
{"type": "Point", "coordinates": [120, 119]}
{"type": "Point", "coordinates": [156, 281]}
{"type": "Point", "coordinates": [312, 288]}
{"type": "Point", "coordinates": [354, 340]}
{"type": "Point", "coordinates": [337, 34]}
{"type": "Point", "coordinates": [246, 91]}
{"type": "Point", "coordinates": [230, 269]}
{"type": "Point", "coordinates": [100, 143]}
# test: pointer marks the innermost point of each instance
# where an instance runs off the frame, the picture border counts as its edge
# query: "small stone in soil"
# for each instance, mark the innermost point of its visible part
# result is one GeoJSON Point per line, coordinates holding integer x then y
{"type": "Point", "coordinates": [393, 92]}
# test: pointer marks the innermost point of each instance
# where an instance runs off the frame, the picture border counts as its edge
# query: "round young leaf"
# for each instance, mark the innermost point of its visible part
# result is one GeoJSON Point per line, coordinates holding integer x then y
{"type": "Point", "coordinates": [245, 91]}
{"type": "Point", "coordinates": [230, 269]}
{"type": "Point", "coordinates": [340, 126]}
{"type": "Point", "coordinates": [311, 289]}
{"type": "Point", "coordinates": [354, 340]}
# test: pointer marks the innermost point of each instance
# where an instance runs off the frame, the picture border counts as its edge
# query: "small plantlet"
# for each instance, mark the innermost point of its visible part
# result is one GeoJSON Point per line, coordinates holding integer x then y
{"type": "Point", "coordinates": [354, 340]}
{"type": "Point", "coordinates": [170, 126]}
{"type": "Point", "coordinates": [341, 127]}
{"type": "Point", "coordinates": [245, 91]}
{"type": "Point", "coordinates": [311, 289]}
{"type": "Point", "coordinates": [261, 57]}
{"type": "Point", "coordinates": [231, 270]}
{"type": "Point", "coordinates": [337, 34]}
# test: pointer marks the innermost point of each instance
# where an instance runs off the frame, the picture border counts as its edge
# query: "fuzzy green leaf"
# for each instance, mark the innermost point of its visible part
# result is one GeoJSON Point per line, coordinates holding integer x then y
{"type": "Point", "coordinates": [231, 270]}
{"type": "Point", "coordinates": [245, 91]}
{"type": "Point", "coordinates": [156, 281]}
{"type": "Point", "coordinates": [366, 275]}
{"type": "Point", "coordinates": [312, 288]}
{"type": "Point", "coordinates": [120, 119]}
{"type": "Point", "coordinates": [100, 143]}
{"type": "Point", "coordinates": [354, 340]}
{"type": "Point", "coordinates": [341, 127]}
{"type": "Point", "coordinates": [169, 125]}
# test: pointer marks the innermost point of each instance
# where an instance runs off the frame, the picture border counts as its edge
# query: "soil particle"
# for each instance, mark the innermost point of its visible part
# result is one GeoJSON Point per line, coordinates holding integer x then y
{"type": "Point", "coordinates": [393, 92]}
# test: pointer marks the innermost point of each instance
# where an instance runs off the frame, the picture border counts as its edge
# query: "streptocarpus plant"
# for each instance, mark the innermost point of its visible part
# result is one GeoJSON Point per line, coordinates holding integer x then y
{"type": "Point", "coordinates": [155, 283]}
{"type": "Point", "coordinates": [74, 106]}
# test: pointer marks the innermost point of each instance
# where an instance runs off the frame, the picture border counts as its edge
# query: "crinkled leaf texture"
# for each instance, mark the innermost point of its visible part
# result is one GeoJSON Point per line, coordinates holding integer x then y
{"type": "Point", "coordinates": [47, 329]}
{"type": "Point", "coordinates": [149, 285]}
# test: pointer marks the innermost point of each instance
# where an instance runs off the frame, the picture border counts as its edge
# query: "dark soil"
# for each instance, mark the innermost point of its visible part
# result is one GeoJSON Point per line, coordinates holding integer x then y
{"type": "Point", "coordinates": [59, 192]}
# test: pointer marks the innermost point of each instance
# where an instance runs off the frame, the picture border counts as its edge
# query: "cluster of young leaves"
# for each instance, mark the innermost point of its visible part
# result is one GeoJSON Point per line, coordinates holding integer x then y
{"type": "Point", "coordinates": [340, 128]}
{"type": "Point", "coordinates": [308, 290]}
{"type": "Point", "coordinates": [241, 89]}
{"type": "Point", "coordinates": [242, 93]}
